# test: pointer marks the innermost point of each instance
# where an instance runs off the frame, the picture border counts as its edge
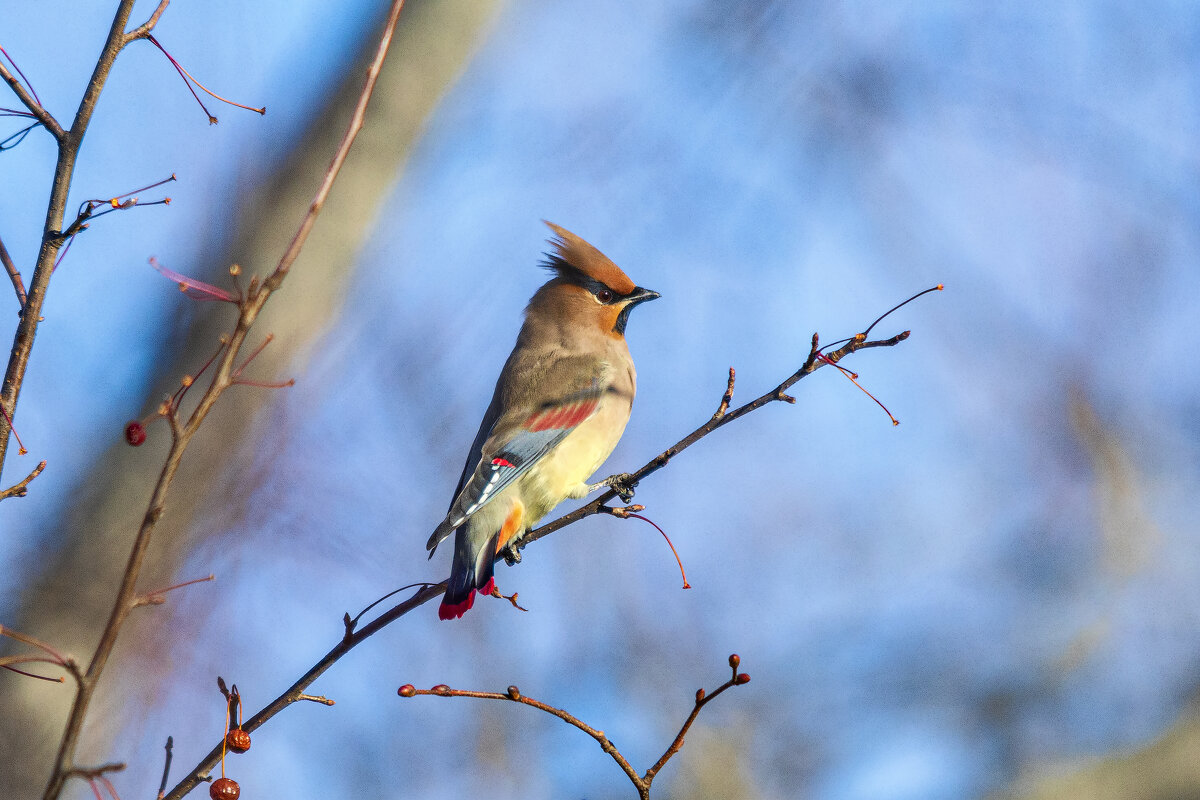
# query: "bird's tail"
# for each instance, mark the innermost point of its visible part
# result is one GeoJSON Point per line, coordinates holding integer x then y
{"type": "Point", "coordinates": [469, 573]}
{"type": "Point", "coordinates": [472, 568]}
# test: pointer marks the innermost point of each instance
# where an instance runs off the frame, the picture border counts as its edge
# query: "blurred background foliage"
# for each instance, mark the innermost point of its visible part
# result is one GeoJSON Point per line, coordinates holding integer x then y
{"type": "Point", "coordinates": [998, 598]}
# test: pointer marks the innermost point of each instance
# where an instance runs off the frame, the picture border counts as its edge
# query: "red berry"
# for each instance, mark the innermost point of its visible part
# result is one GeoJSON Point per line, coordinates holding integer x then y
{"type": "Point", "coordinates": [734, 660]}
{"type": "Point", "coordinates": [135, 434]}
{"type": "Point", "coordinates": [237, 740]}
{"type": "Point", "coordinates": [742, 678]}
{"type": "Point", "coordinates": [407, 690]}
{"type": "Point", "coordinates": [224, 789]}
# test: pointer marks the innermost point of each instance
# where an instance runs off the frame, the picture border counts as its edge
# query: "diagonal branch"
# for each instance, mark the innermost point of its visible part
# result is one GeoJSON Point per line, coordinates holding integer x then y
{"type": "Point", "coordinates": [355, 635]}
{"type": "Point", "coordinates": [22, 488]}
{"type": "Point", "coordinates": [641, 782]}
{"type": "Point", "coordinates": [13, 273]}
{"type": "Point", "coordinates": [37, 109]}
{"type": "Point", "coordinates": [720, 420]}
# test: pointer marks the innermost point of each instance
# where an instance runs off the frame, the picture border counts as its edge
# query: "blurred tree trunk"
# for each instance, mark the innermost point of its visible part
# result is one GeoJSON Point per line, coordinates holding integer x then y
{"type": "Point", "coordinates": [68, 602]}
{"type": "Point", "coordinates": [1167, 769]}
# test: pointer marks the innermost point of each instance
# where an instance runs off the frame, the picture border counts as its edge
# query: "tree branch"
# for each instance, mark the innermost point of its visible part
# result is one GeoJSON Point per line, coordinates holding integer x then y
{"type": "Point", "coordinates": [21, 489]}
{"type": "Point", "coordinates": [225, 376]}
{"type": "Point", "coordinates": [354, 635]}
{"type": "Point", "coordinates": [68, 151]}
{"type": "Point", "coordinates": [143, 30]}
{"type": "Point", "coordinates": [29, 101]}
{"type": "Point", "coordinates": [641, 782]}
{"type": "Point", "coordinates": [13, 273]}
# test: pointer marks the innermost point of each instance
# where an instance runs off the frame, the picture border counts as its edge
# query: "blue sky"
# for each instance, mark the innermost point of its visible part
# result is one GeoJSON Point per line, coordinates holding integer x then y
{"type": "Point", "coordinates": [1007, 577]}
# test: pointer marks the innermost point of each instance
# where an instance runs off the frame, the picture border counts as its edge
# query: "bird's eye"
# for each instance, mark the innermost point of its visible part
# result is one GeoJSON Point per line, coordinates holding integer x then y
{"type": "Point", "coordinates": [604, 295]}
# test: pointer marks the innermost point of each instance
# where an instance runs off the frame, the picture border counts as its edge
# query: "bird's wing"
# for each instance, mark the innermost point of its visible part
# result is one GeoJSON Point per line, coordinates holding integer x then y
{"type": "Point", "coordinates": [535, 431]}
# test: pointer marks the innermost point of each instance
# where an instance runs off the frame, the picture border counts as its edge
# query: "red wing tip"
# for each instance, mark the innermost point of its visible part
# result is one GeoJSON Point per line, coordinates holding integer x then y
{"type": "Point", "coordinates": [488, 587]}
{"type": "Point", "coordinates": [456, 610]}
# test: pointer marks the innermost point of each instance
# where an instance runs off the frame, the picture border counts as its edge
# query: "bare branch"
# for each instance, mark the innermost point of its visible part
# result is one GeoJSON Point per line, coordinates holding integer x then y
{"type": "Point", "coordinates": [21, 489]}
{"type": "Point", "coordinates": [170, 748]}
{"type": "Point", "coordinates": [13, 273]}
{"type": "Point", "coordinates": [339, 158]}
{"type": "Point", "coordinates": [355, 636]}
{"type": "Point", "coordinates": [726, 398]}
{"type": "Point", "coordinates": [641, 782]}
{"type": "Point", "coordinates": [37, 109]}
{"type": "Point", "coordinates": [183, 431]}
{"type": "Point", "coordinates": [143, 30]}
{"type": "Point", "coordinates": [68, 151]}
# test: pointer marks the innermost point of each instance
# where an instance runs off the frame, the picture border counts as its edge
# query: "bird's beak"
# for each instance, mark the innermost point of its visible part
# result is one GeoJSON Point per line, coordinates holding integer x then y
{"type": "Point", "coordinates": [640, 295]}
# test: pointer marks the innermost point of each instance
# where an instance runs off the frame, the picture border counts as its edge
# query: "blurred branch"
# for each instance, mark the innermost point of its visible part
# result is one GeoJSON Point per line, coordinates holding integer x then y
{"type": "Point", "coordinates": [354, 635]}
{"type": "Point", "coordinates": [225, 376]}
{"type": "Point", "coordinates": [641, 782]}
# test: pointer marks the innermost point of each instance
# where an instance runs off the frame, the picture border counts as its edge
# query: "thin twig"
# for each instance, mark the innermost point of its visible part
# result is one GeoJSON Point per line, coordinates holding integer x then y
{"type": "Point", "coordinates": [95, 772]}
{"type": "Point", "coordinates": [13, 274]}
{"type": "Point", "coordinates": [811, 364]}
{"type": "Point", "coordinates": [21, 489]}
{"type": "Point", "coordinates": [143, 30]}
{"type": "Point", "coordinates": [514, 694]}
{"type": "Point", "coordinates": [37, 109]}
{"type": "Point", "coordinates": [726, 398]}
{"type": "Point", "coordinates": [170, 747]}
{"type": "Point", "coordinates": [641, 782]}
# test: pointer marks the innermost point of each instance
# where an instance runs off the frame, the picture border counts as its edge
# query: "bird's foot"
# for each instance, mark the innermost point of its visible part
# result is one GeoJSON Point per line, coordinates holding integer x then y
{"type": "Point", "coordinates": [511, 553]}
{"type": "Point", "coordinates": [623, 484]}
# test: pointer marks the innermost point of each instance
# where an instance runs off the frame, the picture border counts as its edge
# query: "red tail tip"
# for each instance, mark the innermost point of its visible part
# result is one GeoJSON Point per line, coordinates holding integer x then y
{"type": "Point", "coordinates": [456, 610]}
{"type": "Point", "coordinates": [488, 587]}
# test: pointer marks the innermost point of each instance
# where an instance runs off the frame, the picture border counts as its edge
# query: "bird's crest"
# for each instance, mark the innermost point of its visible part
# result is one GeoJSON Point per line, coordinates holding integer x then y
{"type": "Point", "coordinates": [575, 259]}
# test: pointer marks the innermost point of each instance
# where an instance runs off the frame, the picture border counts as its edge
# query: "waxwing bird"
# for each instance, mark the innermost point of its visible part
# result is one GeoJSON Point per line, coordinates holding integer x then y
{"type": "Point", "coordinates": [560, 406]}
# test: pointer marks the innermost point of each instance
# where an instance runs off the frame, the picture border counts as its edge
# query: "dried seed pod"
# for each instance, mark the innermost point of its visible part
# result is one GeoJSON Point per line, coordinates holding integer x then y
{"type": "Point", "coordinates": [237, 740]}
{"type": "Point", "coordinates": [135, 434]}
{"type": "Point", "coordinates": [224, 789]}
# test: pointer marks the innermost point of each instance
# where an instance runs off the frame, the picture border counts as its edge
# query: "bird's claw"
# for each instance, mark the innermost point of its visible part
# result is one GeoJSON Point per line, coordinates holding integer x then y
{"type": "Point", "coordinates": [623, 484]}
{"type": "Point", "coordinates": [511, 553]}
